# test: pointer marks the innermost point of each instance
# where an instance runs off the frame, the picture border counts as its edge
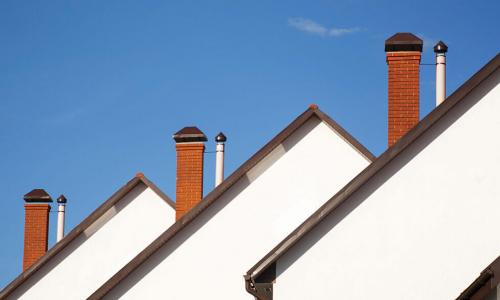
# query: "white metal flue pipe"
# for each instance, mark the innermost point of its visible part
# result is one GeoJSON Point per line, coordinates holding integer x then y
{"type": "Point", "coordinates": [61, 207]}
{"type": "Point", "coordinates": [440, 50]}
{"type": "Point", "coordinates": [220, 139]}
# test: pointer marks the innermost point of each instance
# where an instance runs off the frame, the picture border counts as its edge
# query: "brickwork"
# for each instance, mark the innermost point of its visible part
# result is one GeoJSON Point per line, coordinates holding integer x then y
{"type": "Point", "coordinates": [189, 183]}
{"type": "Point", "coordinates": [404, 93]}
{"type": "Point", "coordinates": [36, 230]}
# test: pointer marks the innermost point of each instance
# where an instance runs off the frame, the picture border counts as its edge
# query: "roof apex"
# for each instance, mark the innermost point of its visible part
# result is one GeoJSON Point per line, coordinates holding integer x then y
{"type": "Point", "coordinates": [80, 228]}
{"type": "Point", "coordinates": [216, 193]}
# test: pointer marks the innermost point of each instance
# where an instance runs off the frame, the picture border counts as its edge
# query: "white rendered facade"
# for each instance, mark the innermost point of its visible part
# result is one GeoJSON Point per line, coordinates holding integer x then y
{"type": "Point", "coordinates": [207, 259]}
{"type": "Point", "coordinates": [424, 227]}
{"type": "Point", "coordinates": [102, 249]}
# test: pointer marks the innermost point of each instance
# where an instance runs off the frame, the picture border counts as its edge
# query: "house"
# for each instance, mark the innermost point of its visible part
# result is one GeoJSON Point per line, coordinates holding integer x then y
{"type": "Point", "coordinates": [420, 222]}
{"type": "Point", "coordinates": [245, 215]}
{"type": "Point", "coordinates": [95, 249]}
{"type": "Point", "coordinates": [281, 184]}
{"type": "Point", "coordinates": [414, 223]}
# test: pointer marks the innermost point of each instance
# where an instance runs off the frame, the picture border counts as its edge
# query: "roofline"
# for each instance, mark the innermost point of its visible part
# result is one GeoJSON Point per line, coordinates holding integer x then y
{"type": "Point", "coordinates": [312, 111]}
{"type": "Point", "coordinates": [157, 190]}
{"type": "Point", "coordinates": [345, 135]}
{"type": "Point", "coordinates": [480, 286]}
{"type": "Point", "coordinates": [370, 171]}
{"type": "Point", "coordinates": [96, 214]}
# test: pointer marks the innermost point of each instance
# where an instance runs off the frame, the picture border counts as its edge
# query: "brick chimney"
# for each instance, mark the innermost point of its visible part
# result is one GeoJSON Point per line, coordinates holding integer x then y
{"type": "Point", "coordinates": [403, 53]}
{"type": "Point", "coordinates": [36, 226]}
{"type": "Point", "coordinates": [190, 148]}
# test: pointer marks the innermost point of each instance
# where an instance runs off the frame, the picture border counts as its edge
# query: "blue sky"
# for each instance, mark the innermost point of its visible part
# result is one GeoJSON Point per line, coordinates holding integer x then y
{"type": "Point", "coordinates": [92, 91]}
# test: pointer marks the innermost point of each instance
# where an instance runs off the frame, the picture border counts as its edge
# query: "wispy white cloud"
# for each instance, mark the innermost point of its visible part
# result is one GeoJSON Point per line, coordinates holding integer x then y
{"type": "Point", "coordinates": [308, 26]}
{"type": "Point", "coordinates": [343, 31]}
{"type": "Point", "coordinates": [311, 27]}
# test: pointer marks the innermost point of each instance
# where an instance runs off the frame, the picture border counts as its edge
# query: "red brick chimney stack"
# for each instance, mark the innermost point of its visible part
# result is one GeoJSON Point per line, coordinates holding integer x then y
{"type": "Point", "coordinates": [190, 148]}
{"type": "Point", "coordinates": [36, 226]}
{"type": "Point", "coordinates": [403, 53]}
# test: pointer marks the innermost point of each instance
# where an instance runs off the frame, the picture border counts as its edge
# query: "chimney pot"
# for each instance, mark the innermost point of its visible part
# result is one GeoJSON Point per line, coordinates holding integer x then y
{"type": "Point", "coordinates": [440, 47]}
{"type": "Point", "coordinates": [61, 211]}
{"type": "Point", "coordinates": [61, 199]}
{"type": "Point", "coordinates": [220, 138]}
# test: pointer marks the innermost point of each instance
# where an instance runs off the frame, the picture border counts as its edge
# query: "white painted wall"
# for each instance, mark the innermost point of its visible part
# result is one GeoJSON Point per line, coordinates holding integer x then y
{"type": "Point", "coordinates": [208, 258]}
{"type": "Point", "coordinates": [423, 228]}
{"type": "Point", "coordinates": [105, 247]}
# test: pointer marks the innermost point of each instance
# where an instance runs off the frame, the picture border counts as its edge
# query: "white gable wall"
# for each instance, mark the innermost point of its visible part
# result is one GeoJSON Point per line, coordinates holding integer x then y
{"type": "Point", "coordinates": [207, 259]}
{"type": "Point", "coordinates": [105, 247]}
{"type": "Point", "coordinates": [423, 228]}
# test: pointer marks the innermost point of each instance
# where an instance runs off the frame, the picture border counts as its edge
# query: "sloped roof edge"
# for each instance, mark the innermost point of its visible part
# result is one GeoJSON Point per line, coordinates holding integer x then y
{"type": "Point", "coordinates": [313, 110]}
{"type": "Point", "coordinates": [96, 214]}
{"type": "Point", "coordinates": [157, 190]}
{"type": "Point", "coordinates": [370, 171]}
{"type": "Point", "coordinates": [487, 281]}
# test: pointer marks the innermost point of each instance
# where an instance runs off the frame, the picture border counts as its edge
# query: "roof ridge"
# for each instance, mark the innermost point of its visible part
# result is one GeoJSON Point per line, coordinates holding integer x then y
{"type": "Point", "coordinates": [155, 188]}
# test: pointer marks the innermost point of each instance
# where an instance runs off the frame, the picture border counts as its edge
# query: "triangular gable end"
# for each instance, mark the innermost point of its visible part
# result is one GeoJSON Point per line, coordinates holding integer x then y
{"type": "Point", "coordinates": [311, 119]}
{"type": "Point", "coordinates": [267, 264]}
{"type": "Point", "coordinates": [136, 188]}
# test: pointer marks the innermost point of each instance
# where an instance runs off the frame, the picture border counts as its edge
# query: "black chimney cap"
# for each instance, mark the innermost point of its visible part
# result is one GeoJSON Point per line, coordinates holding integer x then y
{"type": "Point", "coordinates": [221, 138]}
{"type": "Point", "coordinates": [189, 134]}
{"type": "Point", "coordinates": [37, 195]}
{"type": "Point", "coordinates": [403, 41]}
{"type": "Point", "coordinates": [440, 47]}
{"type": "Point", "coordinates": [61, 199]}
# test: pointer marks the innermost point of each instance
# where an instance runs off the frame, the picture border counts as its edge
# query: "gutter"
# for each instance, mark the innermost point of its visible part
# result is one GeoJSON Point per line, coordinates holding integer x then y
{"type": "Point", "coordinates": [488, 280]}
{"type": "Point", "coordinates": [260, 290]}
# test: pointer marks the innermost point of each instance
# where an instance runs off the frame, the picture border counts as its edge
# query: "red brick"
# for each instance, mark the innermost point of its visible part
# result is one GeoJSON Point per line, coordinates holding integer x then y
{"type": "Point", "coordinates": [189, 183]}
{"type": "Point", "coordinates": [36, 230]}
{"type": "Point", "coordinates": [403, 84]}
